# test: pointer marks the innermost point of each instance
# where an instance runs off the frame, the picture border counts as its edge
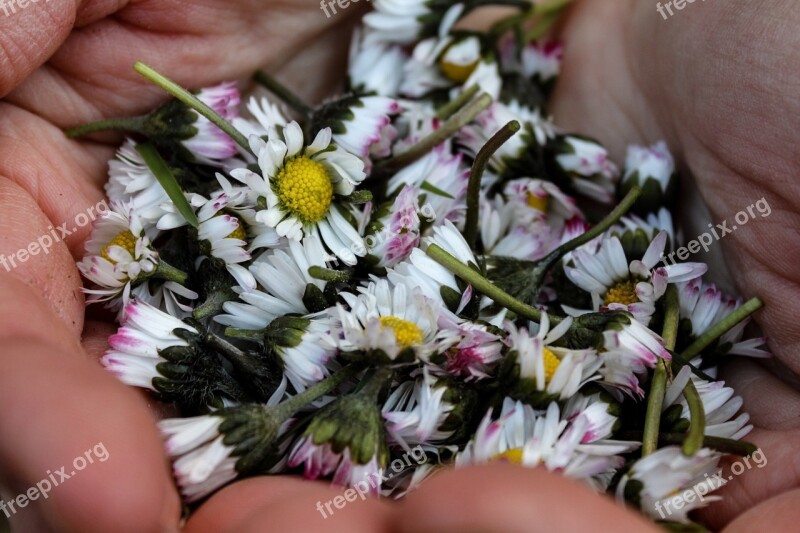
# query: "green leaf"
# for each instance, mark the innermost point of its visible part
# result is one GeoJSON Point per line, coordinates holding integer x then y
{"type": "Point", "coordinates": [435, 190]}
{"type": "Point", "coordinates": [164, 175]}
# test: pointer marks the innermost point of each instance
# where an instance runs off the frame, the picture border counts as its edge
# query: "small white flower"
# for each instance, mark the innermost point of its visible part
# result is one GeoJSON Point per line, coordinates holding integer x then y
{"type": "Point", "coordinates": [267, 117]}
{"type": "Point", "coordinates": [666, 473]}
{"type": "Point", "coordinates": [134, 350]}
{"type": "Point", "coordinates": [720, 405]}
{"type": "Point", "coordinates": [389, 319]}
{"type": "Point", "coordinates": [629, 350]}
{"type": "Point", "coordinates": [554, 371]}
{"type": "Point", "coordinates": [119, 254]}
{"type": "Point", "coordinates": [375, 67]}
{"type": "Point", "coordinates": [282, 276]}
{"type": "Point", "coordinates": [300, 186]}
{"type": "Point", "coordinates": [591, 171]}
{"type": "Point", "coordinates": [542, 60]}
{"type": "Point", "coordinates": [646, 163]}
{"type": "Point", "coordinates": [210, 142]}
{"type": "Point", "coordinates": [415, 412]}
{"type": "Point", "coordinates": [369, 132]}
{"type": "Point", "coordinates": [471, 350]}
{"type": "Point", "coordinates": [397, 233]}
{"type": "Point", "coordinates": [401, 21]}
{"type": "Point", "coordinates": [131, 182]}
{"type": "Point", "coordinates": [604, 272]}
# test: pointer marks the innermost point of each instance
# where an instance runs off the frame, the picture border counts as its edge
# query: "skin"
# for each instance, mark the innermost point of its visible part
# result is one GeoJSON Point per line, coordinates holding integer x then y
{"type": "Point", "coordinates": [717, 81]}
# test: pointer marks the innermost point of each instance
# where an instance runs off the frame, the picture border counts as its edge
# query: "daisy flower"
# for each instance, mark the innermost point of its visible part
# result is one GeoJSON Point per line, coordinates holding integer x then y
{"type": "Point", "coordinates": [441, 177]}
{"type": "Point", "coordinates": [473, 351]}
{"type": "Point", "coordinates": [541, 60]}
{"type": "Point", "coordinates": [388, 320]}
{"type": "Point", "coordinates": [430, 277]}
{"type": "Point", "coordinates": [653, 170]}
{"type": "Point", "coordinates": [283, 281]}
{"type": "Point", "coordinates": [586, 166]}
{"type": "Point", "coordinates": [545, 371]}
{"type": "Point", "coordinates": [212, 450]}
{"type": "Point", "coordinates": [375, 67]}
{"type": "Point", "coordinates": [629, 349]}
{"type": "Point", "coordinates": [210, 142]}
{"type": "Point", "coordinates": [720, 405]}
{"type": "Point", "coordinates": [301, 187]}
{"type": "Point", "coordinates": [119, 255]}
{"type": "Point", "coordinates": [666, 473]}
{"type": "Point", "coordinates": [221, 232]}
{"type": "Point", "coordinates": [265, 119]}
{"type": "Point", "coordinates": [526, 437]}
{"type": "Point", "coordinates": [416, 411]}
{"type": "Point", "coordinates": [130, 182]}
{"type": "Point", "coordinates": [703, 305]}
{"type": "Point", "coordinates": [395, 232]}
{"type": "Point", "coordinates": [403, 22]}
{"type": "Point", "coordinates": [613, 282]}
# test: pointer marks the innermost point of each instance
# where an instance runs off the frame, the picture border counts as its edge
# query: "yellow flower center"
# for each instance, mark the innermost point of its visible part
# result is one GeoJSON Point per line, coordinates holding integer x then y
{"type": "Point", "coordinates": [124, 239]}
{"type": "Point", "coordinates": [513, 455]}
{"type": "Point", "coordinates": [551, 363]}
{"type": "Point", "coordinates": [623, 292]}
{"type": "Point", "coordinates": [305, 189]}
{"type": "Point", "coordinates": [407, 333]}
{"type": "Point", "coordinates": [540, 203]}
{"type": "Point", "coordinates": [455, 72]}
{"type": "Point", "coordinates": [239, 233]}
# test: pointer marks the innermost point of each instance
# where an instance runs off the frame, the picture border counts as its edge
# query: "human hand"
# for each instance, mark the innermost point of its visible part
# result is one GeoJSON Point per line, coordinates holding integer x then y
{"type": "Point", "coordinates": [717, 81]}
{"type": "Point", "coordinates": [47, 180]}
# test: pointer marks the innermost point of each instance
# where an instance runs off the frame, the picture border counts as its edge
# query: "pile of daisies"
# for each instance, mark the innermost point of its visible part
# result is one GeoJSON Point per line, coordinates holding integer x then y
{"type": "Point", "coordinates": [423, 262]}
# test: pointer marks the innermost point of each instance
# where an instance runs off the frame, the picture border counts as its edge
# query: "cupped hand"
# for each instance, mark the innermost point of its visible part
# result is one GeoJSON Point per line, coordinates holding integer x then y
{"type": "Point", "coordinates": [718, 81]}
{"type": "Point", "coordinates": [724, 106]}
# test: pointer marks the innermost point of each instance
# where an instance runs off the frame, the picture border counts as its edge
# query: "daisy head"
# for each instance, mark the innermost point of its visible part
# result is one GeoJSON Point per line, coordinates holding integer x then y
{"type": "Point", "coordinates": [301, 188]}
{"type": "Point", "coordinates": [388, 320]}
{"type": "Point", "coordinates": [603, 271]}
{"type": "Point", "coordinates": [210, 142]}
{"type": "Point", "coordinates": [119, 254]}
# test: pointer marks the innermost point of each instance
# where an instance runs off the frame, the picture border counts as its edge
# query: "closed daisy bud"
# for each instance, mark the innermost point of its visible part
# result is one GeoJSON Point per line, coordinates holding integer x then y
{"type": "Point", "coordinates": [347, 437]}
{"type": "Point", "coordinates": [361, 125]}
{"type": "Point", "coordinates": [375, 67]}
{"type": "Point", "coordinates": [581, 164]}
{"type": "Point", "coordinates": [653, 170]}
{"type": "Point", "coordinates": [210, 451]}
{"type": "Point", "coordinates": [416, 412]}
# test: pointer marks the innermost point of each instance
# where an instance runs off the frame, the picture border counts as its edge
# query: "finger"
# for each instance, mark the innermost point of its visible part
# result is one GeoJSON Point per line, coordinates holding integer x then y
{"type": "Point", "coordinates": [61, 410]}
{"type": "Point", "coordinates": [780, 513]}
{"type": "Point", "coordinates": [508, 498]}
{"type": "Point", "coordinates": [63, 178]}
{"type": "Point", "coordinates": [771, 402]}
{"type": "Point", "coordinates": [290, 504]}
{"type": "Point", "coordinates": [215, 40]}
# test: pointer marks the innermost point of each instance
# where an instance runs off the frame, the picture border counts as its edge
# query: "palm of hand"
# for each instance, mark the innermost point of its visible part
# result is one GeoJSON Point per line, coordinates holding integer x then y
{"type": "Point", "coordinates": [45, 180]}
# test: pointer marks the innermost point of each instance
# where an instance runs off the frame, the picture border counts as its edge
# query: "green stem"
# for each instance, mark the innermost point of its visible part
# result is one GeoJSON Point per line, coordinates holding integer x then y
{"type": "Point", "coordinates": [295, 403]}
{"type": "Point", "coordinates": [447, 110]}
{"type": "Point", "coordinates": [326, 274]}
{"type": "Point", "coordinates": [697, 423]}
{"type": "Point", "coordinates": [246, 334]}
{"type": "Point", "coordinates": [213, 303]}
{"type": "Point", "coordinates": [463, 117]}
{"type": "Point", "coordinates": [476, 174]}
{"type": "Point", "coordinates": [168, 272]}
{"type": "Point", "coordinates": [726, 446]}
{"type": "Point", "coordinates": [658, 386]}
{"type": "Point", "coordinates": [721, 328]}
{"type": "Point", "coordinates": [486, 287]}
{"type": "Point", "coordinates": [163, 173]}
{"type": "Point", "coordinates": [192, 101]}
{"type": "Point", "coordinates": [132, 124]}
{"type": "Point", "coordinates": [238, 358]}
{"type": "Point", "coordinates": [283, 92]}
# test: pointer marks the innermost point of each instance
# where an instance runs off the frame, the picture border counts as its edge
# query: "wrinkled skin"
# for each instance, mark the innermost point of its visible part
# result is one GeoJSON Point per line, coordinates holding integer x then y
{"type": "Point", "coordinates": [718, 81]}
